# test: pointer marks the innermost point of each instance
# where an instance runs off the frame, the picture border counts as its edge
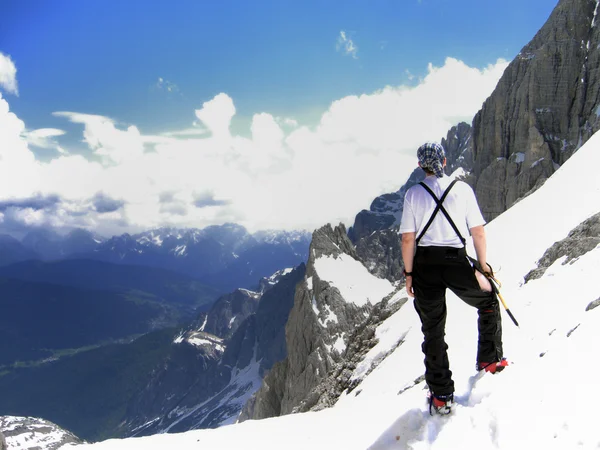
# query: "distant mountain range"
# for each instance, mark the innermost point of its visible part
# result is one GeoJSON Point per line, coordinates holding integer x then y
{"type": "Point", "coordinates": [62, 293]}
{"type": "Point", "coordinates": [225, 257]}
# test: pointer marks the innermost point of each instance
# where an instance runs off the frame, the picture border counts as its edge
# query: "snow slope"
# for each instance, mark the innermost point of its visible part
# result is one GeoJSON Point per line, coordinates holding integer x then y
{"type": "Point", "coordinates": [545, 399]}
{"type": "Point", "coordinates": [352, 279]}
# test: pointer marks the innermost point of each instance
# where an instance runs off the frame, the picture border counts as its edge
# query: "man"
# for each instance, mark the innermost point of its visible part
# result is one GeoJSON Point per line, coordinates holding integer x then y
{"type": "Point", "coordinates": [435, 259]}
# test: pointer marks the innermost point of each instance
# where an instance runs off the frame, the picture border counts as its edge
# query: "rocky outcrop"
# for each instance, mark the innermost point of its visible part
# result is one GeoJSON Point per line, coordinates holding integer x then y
{"type": "Point", "coordinates": [314, 342]}
{"type": "Point", "coordinates": [28, 433]}
{"type": "Point", "coordinates": [317, 332]}
{"type": "Point", "coordinates": [385, 210]}
{"type": "Point", "coordinates": [381, 252]}
{"type": "Point", "coordinates": [543, 109]}
{"type": "Point", "coordinates": [361, 341]}
{"type": "Point", "coordinates": [593, 305]}
{"type": "Point", "coordinates": [229, 311]}
{"type": "Point", "coordinates": [458, 146]}
{"type": "Point", "coordinates": [582, 239]}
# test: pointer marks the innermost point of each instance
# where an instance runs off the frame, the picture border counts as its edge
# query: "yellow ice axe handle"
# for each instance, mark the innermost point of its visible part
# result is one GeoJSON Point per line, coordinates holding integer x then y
{"type": "Point", "coordinates": [499, 295]}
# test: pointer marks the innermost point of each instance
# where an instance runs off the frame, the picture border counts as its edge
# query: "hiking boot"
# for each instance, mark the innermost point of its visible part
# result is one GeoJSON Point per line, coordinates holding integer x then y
{"type": "Point", "coordinates": [440, 404]}
{"type": "Point", "coordinates": [493, 367]}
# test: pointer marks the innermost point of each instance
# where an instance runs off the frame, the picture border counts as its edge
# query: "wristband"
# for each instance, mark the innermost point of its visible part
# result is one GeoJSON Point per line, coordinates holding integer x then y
{"type": "Point", "coordinates": [407, 274]}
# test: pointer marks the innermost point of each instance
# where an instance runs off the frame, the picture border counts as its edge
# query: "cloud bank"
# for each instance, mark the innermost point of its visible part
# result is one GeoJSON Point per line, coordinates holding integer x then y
{"type": "Point", "coordinates": [285, 175]}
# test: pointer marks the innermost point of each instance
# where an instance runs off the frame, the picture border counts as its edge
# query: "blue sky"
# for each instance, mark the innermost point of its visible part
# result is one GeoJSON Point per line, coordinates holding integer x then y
{"type": "Point", "coordinates": [105, 57]}
{"type": "Point", "coordinates": [287, 102]}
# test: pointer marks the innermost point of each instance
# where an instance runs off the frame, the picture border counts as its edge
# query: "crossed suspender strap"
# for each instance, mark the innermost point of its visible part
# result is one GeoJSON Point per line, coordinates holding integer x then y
{"type": "Point", "coordinates": [440, 207]}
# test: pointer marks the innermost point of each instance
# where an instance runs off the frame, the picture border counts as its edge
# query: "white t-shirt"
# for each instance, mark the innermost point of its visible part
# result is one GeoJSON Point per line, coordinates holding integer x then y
{"type": "Point", "coordinates": [460, 203]}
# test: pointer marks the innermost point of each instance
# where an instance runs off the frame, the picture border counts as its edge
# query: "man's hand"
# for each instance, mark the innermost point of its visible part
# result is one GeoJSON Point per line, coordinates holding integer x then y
{"type": "Point", "coordinates": [409, 287]}
{"type": "Point", "coordinates": [486, 268]}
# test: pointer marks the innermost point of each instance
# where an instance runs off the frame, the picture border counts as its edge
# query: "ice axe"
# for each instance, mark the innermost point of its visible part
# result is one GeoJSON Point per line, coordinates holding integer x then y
{"type": "Point", "coordinates": [496, 285]}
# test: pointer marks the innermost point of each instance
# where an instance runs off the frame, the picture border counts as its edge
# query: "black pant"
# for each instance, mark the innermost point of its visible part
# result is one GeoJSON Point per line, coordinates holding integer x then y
{"type": "Point", "coordinates": [438, 268]}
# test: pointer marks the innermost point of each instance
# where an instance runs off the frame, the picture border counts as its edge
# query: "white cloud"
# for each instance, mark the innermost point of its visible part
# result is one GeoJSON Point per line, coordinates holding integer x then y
{"type": "Point", "coordinates": [114, 146]}
{"type": "Point", "coordinates": [287, 122]}
{"type": "Point", "coordinates": [346, 45]}
{"type": "Point", "coordinates": [8, 75]}
{"type": "Point", "coordinates": [216, 114]}
{"type": "Point", "coordinates": [279, 177]}
{"type": "Point", "coordinates": [44, 138]}
{"type": "Point", "coordinates": [186, 132]}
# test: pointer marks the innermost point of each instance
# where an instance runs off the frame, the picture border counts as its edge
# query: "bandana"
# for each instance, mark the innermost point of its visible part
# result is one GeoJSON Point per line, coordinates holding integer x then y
{"type": "Point", "coordinates": [431, 157]}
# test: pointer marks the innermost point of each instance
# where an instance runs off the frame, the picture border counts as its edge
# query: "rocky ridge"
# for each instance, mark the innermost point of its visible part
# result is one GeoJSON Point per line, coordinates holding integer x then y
{"type": "Point", "coordinates": [582, 239]}
{"type": "Point", "coordinates": [317, 333]}
{"type": "Point", "coordinates": [27, 433]}
{"type": "Point", "coordinates": [362, 339]}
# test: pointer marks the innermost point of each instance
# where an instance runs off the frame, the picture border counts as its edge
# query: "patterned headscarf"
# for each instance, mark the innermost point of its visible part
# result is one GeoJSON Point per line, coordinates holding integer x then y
{"type": "Point", "coordinates": [431, 157]}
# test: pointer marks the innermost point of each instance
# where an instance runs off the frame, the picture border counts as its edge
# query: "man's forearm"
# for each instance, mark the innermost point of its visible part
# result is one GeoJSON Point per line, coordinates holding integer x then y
{"type": "Point", "coordinates": [479, 242]}
{"type": "Point", "coordinates": [408, 250]}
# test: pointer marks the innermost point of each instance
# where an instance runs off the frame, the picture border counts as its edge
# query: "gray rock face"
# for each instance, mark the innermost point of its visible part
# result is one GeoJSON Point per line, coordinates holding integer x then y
{"type": "Point", "coordinates": [229, 311]}
{"type": "Point", "coordinates": [582, 239]}
{"type": "Point", "coordinates": [593, 305]}
{"type": "Point", "coordinates": [266, 402]}
{"type": "Point", "coordinates": [28, 433]}
{"type": "Point", "coordinates": [543, 109]}
{"type": "Point", "coordinates": [458, 147]}
{"type": "Point", "coordinates": [361, 341]}
{"type": "Point", "coordinates": [381, 253]}
{"type": "Point", "coordinates": [271, 317]}
{"type": "Point", "coordinates": [385, 211]}
{"type": "Point", "coordinates": [315, 343]}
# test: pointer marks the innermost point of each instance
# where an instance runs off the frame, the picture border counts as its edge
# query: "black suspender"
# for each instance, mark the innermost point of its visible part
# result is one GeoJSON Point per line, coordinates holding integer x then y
{"type": "Point", "coordinates": [440, 207]}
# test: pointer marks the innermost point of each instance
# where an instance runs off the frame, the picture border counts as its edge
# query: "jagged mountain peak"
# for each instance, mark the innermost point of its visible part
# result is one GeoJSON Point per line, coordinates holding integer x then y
{"type": "Point", "coordinates": [331, 241]}
{"type": "Point", "coordinates": [280, 236]}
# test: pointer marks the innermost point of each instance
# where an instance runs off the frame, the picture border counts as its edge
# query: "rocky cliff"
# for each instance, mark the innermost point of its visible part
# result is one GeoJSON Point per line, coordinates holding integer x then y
{"type": "Point", "coordinates": [228, 312]}
{"type": "Point", "coordinates": [458, 146]}
{"type": "Point", "coordinates": [326, 310]}
{"type": "Point", "coordinates": [542, 110]}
